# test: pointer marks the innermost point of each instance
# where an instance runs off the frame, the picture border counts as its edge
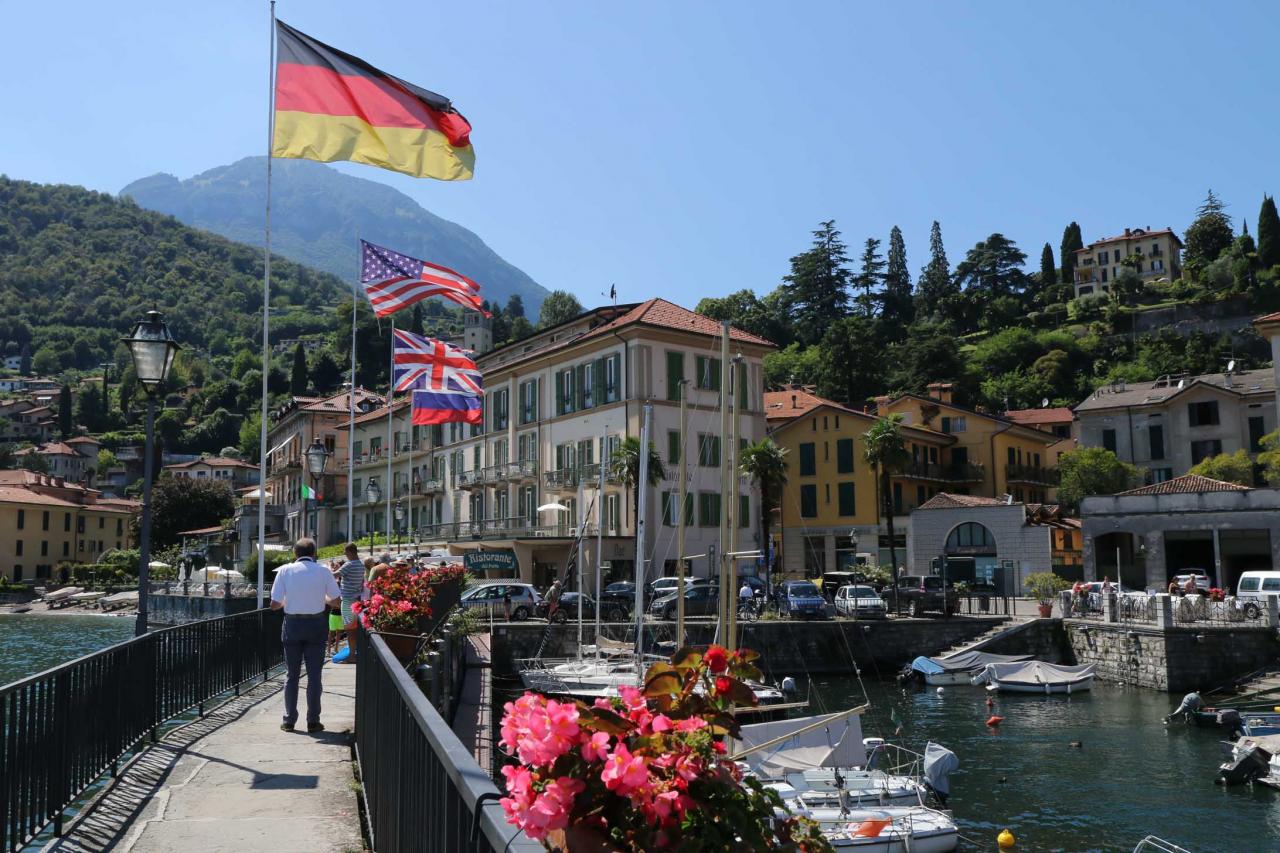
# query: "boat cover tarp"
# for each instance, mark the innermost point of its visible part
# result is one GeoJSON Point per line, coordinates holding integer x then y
{"type": "Point", "coordinates": [1037, 672]}
{"type": "Point", "coordinates": [962, 662]}
{"type": "Point", "coordinates": [939, 763]}
{"type": "Point", "coordinates": [838, 744]}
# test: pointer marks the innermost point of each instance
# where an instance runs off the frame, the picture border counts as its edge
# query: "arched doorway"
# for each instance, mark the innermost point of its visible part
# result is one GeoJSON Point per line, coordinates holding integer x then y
{"type": "Point", "coordinates": [971, 555]}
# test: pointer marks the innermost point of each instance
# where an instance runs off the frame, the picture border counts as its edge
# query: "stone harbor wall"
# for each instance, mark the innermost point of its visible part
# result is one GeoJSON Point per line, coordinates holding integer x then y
{"type": "Point", "coordinates": [1043, 639]}
{"type": "Point", "coordinates": [1176, 660]}
{"type": "Point", "coordinates": [876, 647]}
{"type": "Point", "coordinates": [167, 610]}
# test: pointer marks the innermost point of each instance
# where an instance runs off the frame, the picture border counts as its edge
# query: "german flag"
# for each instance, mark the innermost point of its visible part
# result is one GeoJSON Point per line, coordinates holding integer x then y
{"type": "Point", "coordinates": [331, 106]}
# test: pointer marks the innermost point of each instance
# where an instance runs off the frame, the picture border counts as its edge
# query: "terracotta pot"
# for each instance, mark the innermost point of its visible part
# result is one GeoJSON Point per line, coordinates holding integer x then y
{"type": "Point", "coordinates": [402, 646]}
{"type": "Point", "coordinates": [578, 839]}
{"type": "Point", "coordinates": [1046, 610]}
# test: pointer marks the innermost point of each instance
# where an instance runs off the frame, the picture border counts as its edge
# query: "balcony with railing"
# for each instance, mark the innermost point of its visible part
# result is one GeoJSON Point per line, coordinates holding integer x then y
{"type": "Point", "coordinates": [964, 472]}
{"type": "Point", "coordinates": [564, 478]}
{"type": "Point", "coordinates": [591, 473]}
{"type": "Point", "coordinates": [1031, 474]}
{"type": "Point", "coordinates": [514, 527]}
{"type": "Point", "coordinates": [429, 486]}
{"type": "Point", "coordinates": [472, 479]}
{"type": "Point", "coordinates": [523, 469]}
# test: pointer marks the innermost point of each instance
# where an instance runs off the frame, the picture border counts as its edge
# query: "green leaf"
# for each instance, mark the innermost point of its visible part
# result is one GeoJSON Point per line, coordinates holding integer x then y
{"type": "Point", "coordinates": [609, 722]}
{"type": "Point", "coordinates": [687, 658]}
{"type": "Point", "coordinates": [662, 679]}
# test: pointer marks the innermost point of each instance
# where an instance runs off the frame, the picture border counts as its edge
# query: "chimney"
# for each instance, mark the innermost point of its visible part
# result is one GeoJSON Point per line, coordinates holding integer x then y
{"type": "Point", "coordinates": [794, 404]}
{"type": "Point", "coordinates": [940, 391]}
{"type": "Point", "coordinates": [59, 482]}
{"type": "Point", "coordinates": [882, 405]}
{"type": "Point", "coordinates": [1127, 232]}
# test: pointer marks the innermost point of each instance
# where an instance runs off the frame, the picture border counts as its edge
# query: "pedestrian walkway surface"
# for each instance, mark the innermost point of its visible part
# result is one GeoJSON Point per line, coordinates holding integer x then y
{"type": "Point", "coordinates": [232, 781]}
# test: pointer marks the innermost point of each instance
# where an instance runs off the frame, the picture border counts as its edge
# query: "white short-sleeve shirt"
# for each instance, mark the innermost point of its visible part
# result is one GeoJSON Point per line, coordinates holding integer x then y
{"type": "Point", "coordinates": [304, 587]}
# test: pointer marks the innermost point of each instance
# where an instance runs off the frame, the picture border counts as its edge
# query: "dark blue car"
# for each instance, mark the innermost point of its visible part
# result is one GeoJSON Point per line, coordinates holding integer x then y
{"type": "Point", "coordinates": [801, 599]}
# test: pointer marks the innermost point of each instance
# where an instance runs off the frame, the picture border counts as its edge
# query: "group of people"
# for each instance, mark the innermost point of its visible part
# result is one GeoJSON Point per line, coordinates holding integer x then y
{"type": "Point", "coordinates": [1187, 587]}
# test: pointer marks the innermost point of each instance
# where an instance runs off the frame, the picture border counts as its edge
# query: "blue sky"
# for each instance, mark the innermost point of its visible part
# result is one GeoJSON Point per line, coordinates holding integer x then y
{"type": "Point", "coordinates": [687, 149]}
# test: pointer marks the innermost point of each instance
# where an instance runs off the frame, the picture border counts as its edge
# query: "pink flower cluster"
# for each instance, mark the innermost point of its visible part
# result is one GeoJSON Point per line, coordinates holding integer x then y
{"type": "Point", "coordinates": [540, 730]}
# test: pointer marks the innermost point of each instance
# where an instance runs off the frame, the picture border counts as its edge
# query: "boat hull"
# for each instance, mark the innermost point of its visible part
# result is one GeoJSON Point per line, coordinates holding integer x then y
{"type": "Point", "coordinates": [1068, 688]}
{"type": "Point", "coordinates": [948, 679]}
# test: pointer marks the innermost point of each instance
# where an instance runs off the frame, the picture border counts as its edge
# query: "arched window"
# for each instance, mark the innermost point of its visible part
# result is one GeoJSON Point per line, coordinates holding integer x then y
{"type": "Point", "coordinates": [969, 536]}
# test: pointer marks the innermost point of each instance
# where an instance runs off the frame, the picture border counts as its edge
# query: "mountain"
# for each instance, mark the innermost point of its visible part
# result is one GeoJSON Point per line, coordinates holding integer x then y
{"type": "Point", "coordinates": [316, 213]}
{"type": "Point", "coordinates": [79, 268]}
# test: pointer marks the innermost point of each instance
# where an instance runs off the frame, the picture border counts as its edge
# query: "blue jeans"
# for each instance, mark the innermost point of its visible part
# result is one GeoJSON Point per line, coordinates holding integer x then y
{"type": "Point", "coordinates": [304, 639]}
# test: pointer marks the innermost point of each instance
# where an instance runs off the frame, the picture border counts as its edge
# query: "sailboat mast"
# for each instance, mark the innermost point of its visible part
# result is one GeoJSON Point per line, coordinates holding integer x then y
{"type": "Point", "coordinates": [604, 446]}
{"type": "Point", "coordinates": [731, 515]}
{"type": "Point", "coordinates": [682, 496]}
{"type": "Point", "coordinates": [726, 594]}
{"type": "Point", "coordinates": [642, 483]}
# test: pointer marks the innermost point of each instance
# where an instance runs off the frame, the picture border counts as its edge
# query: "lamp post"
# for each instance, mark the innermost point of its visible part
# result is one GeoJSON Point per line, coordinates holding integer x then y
{"type": "Point", "coordinates": [317, 457]}
{"type": "Point", "coordinates": [399, 510]}
{"type": "Point", "coordinates": [153, 350]}
{"type": "Point", "coordinates": [373, 495]}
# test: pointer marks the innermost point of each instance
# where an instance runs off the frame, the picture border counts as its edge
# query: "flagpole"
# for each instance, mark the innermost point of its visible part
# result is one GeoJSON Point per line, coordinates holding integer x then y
{"type": "Point", "coordinates": [391, 451]}
{"type": "Point", "coordinates": [351, 409]}
{"type": "Point", "coordinates": [266, 316]}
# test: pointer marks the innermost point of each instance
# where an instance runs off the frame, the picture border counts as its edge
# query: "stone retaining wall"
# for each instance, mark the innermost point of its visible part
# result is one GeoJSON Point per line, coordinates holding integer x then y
{"type": "Point", "coordinates": [166, 610]}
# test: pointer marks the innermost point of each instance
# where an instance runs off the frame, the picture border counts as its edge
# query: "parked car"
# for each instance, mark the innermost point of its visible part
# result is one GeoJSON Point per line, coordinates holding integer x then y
{"type": "Point", "coordinates": [490, 597]}
{"type": "Point", "coordinates": [568, 608]}
{"type": "Point", "coordinates": [666, 586]}
{"type": "Point", "coordinates": [920, 594]}
{"type": "Point", "coordinates": [832, 582]}
{"type": "Point", "coordinates": [1254, 589]}
{"type": "Point", "coordinates": [618, 601]}
{"type": "Point", "coordinates": [860, 602]}
{"type": "Point", "coordinates": [1201, 576]}
{"type": "Point", "coordinates": [699, 600]}
{"type": "Point", "coordinates": [798, 599]}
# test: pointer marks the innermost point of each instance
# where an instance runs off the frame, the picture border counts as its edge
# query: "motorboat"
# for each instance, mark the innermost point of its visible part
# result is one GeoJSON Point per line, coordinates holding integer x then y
{"type": "Point", "coordinates": [85, 597]}
{"type": "Point", "coordinates": [958, 668]}
{"type": "Point", "coordinates": [1036, 677]}
{"type": "Point", "coordinates": [61, 597]}
{"type": "Point", "coordinates": [119, 599]}
{"type": "Point", "coordinates": [878, 829]}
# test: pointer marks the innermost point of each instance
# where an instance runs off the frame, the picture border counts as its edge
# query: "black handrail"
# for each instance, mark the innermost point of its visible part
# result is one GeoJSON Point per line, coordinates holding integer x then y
{"type": "Point", "coordinates": [423, 789]}
{"type": "Point", "coordinates": [62, 729]}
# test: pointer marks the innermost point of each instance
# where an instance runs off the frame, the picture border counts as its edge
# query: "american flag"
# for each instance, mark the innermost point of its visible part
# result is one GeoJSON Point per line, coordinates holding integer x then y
{"type": "Point", "coordinates": [393, 281]}
{"type": "Point", "coordinates": [430, 365]}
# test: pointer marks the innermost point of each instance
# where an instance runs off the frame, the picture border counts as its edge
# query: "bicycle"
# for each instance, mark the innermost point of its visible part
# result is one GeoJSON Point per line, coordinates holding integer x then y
{"type": "Point", "coordinates": [747, 610]}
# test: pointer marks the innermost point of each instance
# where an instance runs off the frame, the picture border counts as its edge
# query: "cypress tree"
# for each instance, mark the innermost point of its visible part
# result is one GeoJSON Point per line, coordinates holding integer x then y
{"type": "Point", "coordinates": [415, 324]}
{"type": "Point", "coordinates": [898, 306]}
{"type": "Point", "coordinates": [935, 279]}
{"type": "Point", "coordinates": [871, 274]}
{"type": "Point", "coordinates": [298, 379]}
{"type": "Point", "coordinates": [1268, 234]}
{"type": "Point", "coordinates": [1071, 241]}
{"type": "Point", "coordinates": [65, 422]}
{"type": "Point", "coordinates": [1048, 270]}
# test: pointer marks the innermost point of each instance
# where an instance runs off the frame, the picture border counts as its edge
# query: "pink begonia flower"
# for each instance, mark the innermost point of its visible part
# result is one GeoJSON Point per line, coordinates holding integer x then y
{"type": "Point", "coordinates": [692, 724]}
{"type": "Point", "coordinates": [688, 767]}
{"type": "Point", "coordinates": [623, 772]}
{"type": "Point", "coordinates": [666, 804]}
{"type": "Point", "coordinates": [660, 723]}
{"type": "Point", "coordinates": [596, 748]}
{"type": "Point", "coordinates": [405, 606]}
{"type": "Point", "coordinates": [539, 730]}
{"type": "Point", "coordinates": [551, 809]}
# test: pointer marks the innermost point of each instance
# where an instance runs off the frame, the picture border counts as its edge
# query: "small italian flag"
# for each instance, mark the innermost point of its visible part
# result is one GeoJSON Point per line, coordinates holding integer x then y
{"type": "Point", "coordinates": [308, 493]}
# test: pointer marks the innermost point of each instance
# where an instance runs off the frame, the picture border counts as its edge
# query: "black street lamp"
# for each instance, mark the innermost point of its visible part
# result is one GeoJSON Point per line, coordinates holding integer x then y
{"type": "Point", "coordinates": [153, 350]}
{"type": "Point", "coordinates": [317, 457]}
{"type": "Point", "coordinates": [399, 511]}
{"type": "Point", "coordinates": [373, 495]}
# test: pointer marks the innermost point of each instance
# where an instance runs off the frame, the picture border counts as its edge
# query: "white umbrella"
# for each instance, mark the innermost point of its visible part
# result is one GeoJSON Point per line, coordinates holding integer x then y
{"type": "Point", "coordinates": [156, 564]}
{"type": "Point", "coordinates": [553, 506]}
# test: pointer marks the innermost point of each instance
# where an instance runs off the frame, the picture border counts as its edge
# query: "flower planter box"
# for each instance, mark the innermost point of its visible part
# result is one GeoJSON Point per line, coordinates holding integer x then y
{"type": "Point", "coordinates": [402, 646]}
{"type": "Point", "coordinates": [445, 598]}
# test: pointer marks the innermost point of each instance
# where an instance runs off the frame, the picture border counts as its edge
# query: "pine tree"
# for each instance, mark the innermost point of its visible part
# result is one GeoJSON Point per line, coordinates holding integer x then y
{"type": "Point", "coordinates": [298, 379]}
{"type": "Point", "coordinates": [935, 279]}
{"type": "Point", "coordinates": [1048, 270]}
{"type": "Point", "coordinates": [25, 364]}
{"type": "Point", "coordinates": [1210, 234]}
{"type": "Point", "coordinates": [1268, 234]}
{"type": "Point", "coordinates": [817, 288]}
{"type": "Point", "coordinates": [415, 324]}
{"type": "Point", "coordinates": [515, 306]}
{"type": "Point", "coordinates": [991, 269]}
{"type": "Point", "coordinates": [899, 307]}
{"type": "Point", "coordinates": [65, 421]}
{"type": "Point", "coordinates": [1071, 241]}
{"type": "Point", "coordinates": [871, 275]}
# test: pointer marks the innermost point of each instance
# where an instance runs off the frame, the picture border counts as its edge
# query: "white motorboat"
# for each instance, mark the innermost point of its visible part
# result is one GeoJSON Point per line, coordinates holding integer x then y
{"type": "Point", "coordinates": [85, 597]}
{"type": "Point", "coordinates": [880, 829]}
{"type": "Point", "coordinates": [119, 599]}
{"type": "Point", "coordinates": [958, 668]}
{"type": "Point", "coordinates": [1036, 677]}
{"type": "Point", "coordinates": [62, 594]}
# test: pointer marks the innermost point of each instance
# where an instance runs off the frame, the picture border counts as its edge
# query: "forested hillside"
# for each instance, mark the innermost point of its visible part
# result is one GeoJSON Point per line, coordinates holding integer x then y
{"type": "Point", "coordinates": [1008, 337]}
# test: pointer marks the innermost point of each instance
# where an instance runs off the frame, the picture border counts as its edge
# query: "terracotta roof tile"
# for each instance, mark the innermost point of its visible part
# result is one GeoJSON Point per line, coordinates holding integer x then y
{"type": "Point", "coordinates": [1268, 318]}
{"type": "Point", "coordinates": [19, 495]}
{"type": "Point", "coordinates": [1187, 484]}
{"type": "Point", "coordinates": [794, 402]}
{"type": "Point", "coordinates": [214, 461]}
{"type": "Point", "coordinates": [53, 448]}
{"type": "Point", "coordinates": [1131, 237]}
{"type": "Point", "coordinates": [338, 402]}
{"type": "Point", "coordinates": [83, 439]}
{"type": "Point", "coordinates": [1055, 415]}
{"type": "Point", "coordinates": [946, 500]}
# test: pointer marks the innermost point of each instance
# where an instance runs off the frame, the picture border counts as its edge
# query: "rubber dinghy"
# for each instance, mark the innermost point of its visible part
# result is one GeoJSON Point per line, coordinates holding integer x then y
{"type": "Point", "coordinates": [1036, 677]}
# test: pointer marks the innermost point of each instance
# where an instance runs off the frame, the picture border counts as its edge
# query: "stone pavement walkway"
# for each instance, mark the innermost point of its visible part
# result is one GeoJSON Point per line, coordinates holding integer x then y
{"type": "Point", "coordinates": [233, 781]}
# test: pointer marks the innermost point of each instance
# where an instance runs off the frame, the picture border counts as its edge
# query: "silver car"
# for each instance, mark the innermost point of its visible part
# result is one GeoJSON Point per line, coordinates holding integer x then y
{"type": "Point", "coordinates": [859, 601]}
{"type": "Point", "coordinates": [491, 597]}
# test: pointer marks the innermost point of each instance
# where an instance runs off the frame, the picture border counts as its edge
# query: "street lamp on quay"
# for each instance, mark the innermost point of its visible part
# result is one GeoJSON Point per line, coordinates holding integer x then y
{"type": "Point", "coordinates": [373, 495]}
{"type": "Point", "coordinates": [399, 511]}
{"type": "Point", "coordinates": [317, 458]}
{"type": "Point", "coordinates": [153, 350]}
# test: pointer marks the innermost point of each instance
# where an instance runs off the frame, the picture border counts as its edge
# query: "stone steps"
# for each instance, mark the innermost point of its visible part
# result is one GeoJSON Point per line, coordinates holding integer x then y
{"type": "Point", "coordinates": [977, 643]}
{"type": "Point", "coordinates": [1259, 683]}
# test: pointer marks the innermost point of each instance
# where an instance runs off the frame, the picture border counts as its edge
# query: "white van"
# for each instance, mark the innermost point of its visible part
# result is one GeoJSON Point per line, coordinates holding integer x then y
{"type": "Point", "coordinates": [1254, 588]}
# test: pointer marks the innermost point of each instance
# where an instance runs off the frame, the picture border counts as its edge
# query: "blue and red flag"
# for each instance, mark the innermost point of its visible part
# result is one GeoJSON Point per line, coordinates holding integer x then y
{"type": "Point", "coordinates": [446, 384]}
{"type": "Point", "coordinates": [393, 281]}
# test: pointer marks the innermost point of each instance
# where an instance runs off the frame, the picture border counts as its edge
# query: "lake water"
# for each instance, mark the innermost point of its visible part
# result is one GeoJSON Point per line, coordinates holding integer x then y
{"type": "Point", "coordinates": [31, 644]}
{"type": "Point", "coordinates": [1133, 777]}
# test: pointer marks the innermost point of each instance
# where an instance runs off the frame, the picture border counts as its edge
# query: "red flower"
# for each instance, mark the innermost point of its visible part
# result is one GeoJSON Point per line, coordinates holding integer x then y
{"type": "Point", "coordinates": [717, 659]}
{"type": "Point", "coordinates": [723, 684]}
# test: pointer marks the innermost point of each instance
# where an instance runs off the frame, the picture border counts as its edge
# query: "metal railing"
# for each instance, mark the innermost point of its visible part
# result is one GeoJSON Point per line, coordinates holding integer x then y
{"type": "Point", "coordinates": [1185, 611]}
{"type": "Point", "coordinates": [66, 727]}
{"type": "Point", "coordinates": [1031, 474]}
{"type": "Point", "coordinates": [563, 478]}
{"type": "Point", "coordinates": [966, 472]}
{"type": "Point", "coordinates": [523, 469]}
{"type": "Point", "coordinates": [409, 756]}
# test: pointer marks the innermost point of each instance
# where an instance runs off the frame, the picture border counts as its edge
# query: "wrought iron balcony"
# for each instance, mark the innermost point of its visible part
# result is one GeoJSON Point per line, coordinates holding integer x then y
{"type": "Point", "coordinates": [591, 474]}
{"type": "Point", "coordinates": [965, 472]}
{"type": "Point", "coordinates": [524, 469]}
{"type": "Point", "coordinates": [1031, 474]}
{"type": "Point", "coordinates": [470, 479]}
{"type": "Point", "coordinates": [564, 478]}
{"type": "Point", "coordinates": [429, 486]}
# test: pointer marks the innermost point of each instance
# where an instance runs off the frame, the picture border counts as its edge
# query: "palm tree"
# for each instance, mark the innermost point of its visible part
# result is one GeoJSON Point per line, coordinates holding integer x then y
{"type": "Point", "coordinates": [885, 449]}
{"type": "Point", "coordinates": [766, 464]}
{"type": "Point", "coordinates": [625, 465]}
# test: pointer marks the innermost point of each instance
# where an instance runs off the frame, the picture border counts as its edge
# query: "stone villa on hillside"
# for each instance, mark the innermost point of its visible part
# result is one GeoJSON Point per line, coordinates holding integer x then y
{"type": "Point", "coordinates": [1155, 255]}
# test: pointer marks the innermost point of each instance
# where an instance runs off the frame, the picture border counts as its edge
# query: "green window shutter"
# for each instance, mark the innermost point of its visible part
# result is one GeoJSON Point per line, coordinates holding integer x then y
{"type": "Point", "coordinates": [715, 452]}
{"type": "Point", "coordinates": [560, 393]}
{"type": "Point", "coordinates": [675, 373]}
{"type": "Point", "coordinates": [598, 390]}
{"type": "Point", "coordinates": [703, 511]}
{"type": "Point", "coordinates": [668, 519]}
{"type": "Point", "coordinates": [808, 459]}
{"type": "Point", "coordinates": [808, 501]}
{"type": "Point", "coordinates": [700, 367]}
{"type": "Point", "coordinates": [744, 510]}
{"type": "Point", "coordinates": [846, 499]}
{"type": "Point", "coordinates": [673, 447]}
{"type": "Point", "coordinates": [580, 386]}
{"type": "Point", "coordinates": [844, 455]}
{"type": "Point", "coordinates": [715, 374]}
{"type": "Point", "coordinates": [688, 509]}
{"type": "Point", "coordinates": [743, 400]}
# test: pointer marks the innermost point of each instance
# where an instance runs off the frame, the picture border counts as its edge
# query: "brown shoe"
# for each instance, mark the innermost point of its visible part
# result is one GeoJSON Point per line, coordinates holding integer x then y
{"type": "Point", "coordinates": [312, 728]}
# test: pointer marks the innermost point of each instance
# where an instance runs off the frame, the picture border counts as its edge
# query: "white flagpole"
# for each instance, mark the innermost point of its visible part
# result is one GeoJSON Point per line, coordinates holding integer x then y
{"type": "Point", "coordinates": [266, 317]}
{"type": "Point", "coordinates": [391, 393]}
{"type": "Point", "coordinates": [351, 406]}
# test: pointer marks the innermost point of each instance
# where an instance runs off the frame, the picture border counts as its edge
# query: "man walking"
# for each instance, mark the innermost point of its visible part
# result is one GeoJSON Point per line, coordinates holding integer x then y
{"type": "Point", "coordinates": [303, 590]}
{"type": "Point", "coordinates": [351, 582]}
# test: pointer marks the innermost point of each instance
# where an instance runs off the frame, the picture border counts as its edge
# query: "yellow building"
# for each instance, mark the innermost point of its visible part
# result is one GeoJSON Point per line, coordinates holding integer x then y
{"type": "Point", "coordinates": [46, 522]}
{"type": "Point", "coordinates": [1154, 255]}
